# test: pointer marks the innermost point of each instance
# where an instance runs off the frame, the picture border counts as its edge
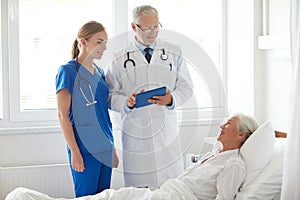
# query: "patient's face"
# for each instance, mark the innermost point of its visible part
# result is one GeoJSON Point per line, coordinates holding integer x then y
{"type": "Point", "coordinates": [229, 131]}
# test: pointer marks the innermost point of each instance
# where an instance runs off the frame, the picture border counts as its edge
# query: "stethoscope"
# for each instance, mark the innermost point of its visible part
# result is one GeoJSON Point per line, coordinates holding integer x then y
{"type": "Point", "coordinates": [163, 56]}
{"type": "Point", "coordinates": [82, 79]}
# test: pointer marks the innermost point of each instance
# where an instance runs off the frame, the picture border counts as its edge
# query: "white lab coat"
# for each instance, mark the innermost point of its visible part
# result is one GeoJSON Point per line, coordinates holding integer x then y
{"type": "Point", "coordinates": [151, 144]}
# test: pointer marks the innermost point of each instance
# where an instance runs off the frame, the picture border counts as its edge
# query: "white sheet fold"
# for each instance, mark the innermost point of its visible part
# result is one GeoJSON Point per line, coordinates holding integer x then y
{"type": "Point", "coordinates": [171, 190]}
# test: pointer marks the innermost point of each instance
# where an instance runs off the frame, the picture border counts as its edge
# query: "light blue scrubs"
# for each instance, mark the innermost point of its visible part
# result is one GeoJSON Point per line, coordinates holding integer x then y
{"type": "Point", "coordinates": [92, 127]}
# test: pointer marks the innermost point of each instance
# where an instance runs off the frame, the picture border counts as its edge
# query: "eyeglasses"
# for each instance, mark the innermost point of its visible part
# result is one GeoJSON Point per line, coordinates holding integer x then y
{"type": "Point", "coordinates": [148, 30]}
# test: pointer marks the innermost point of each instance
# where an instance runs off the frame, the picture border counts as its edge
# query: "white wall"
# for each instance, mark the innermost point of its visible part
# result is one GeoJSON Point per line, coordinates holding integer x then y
{"type": "Point", "coordinates": [278, 66]}
{"type": "Point", "coordinates": [29, 149]}
{"type": "Point", "coordinates": [259, 79]}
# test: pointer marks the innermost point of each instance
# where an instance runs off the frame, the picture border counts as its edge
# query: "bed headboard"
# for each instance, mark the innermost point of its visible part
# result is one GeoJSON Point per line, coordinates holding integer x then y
{"type": "Point", "coordinates": [280, 134]}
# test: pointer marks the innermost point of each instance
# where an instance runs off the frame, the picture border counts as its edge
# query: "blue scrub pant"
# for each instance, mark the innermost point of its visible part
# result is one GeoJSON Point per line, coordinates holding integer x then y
{"type": "Point", "coordinates": [95, 178]}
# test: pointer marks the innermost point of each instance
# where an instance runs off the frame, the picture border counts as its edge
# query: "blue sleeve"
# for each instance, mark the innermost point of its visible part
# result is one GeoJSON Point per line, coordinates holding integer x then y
{"type": "Point", "coordinates": [65, 78]}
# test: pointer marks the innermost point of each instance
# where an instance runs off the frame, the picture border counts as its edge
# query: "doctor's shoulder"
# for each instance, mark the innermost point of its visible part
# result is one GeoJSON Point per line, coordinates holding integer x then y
{"type": "Point", "coordinates": [119, 54]}
{"type": "Point", "coordinates": [171, 48]}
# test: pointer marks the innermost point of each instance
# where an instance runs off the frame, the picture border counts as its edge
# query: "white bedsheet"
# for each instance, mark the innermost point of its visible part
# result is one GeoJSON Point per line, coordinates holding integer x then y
{"type": "Point", "coordinates": [171, 190]}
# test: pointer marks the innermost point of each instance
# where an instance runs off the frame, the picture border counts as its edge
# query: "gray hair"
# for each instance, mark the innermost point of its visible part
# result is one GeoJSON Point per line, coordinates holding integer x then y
{"type": "Point", "coordinates": [140, 10]}
{"type": "Point", "coordinates": [246, 124]}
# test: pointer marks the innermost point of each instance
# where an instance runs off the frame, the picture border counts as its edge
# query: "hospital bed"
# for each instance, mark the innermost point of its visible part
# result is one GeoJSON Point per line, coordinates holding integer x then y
{"type": "Point", "coordinates": [263, 154]}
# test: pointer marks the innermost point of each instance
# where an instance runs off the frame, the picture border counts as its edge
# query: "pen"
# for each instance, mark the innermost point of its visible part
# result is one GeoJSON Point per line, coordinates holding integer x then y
{"type": "Point", "coordinates": [170, 66]}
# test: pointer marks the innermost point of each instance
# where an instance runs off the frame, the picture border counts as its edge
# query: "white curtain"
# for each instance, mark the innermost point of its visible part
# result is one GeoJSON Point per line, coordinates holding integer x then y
{"type": "Point", "coordinates": [291, 172]}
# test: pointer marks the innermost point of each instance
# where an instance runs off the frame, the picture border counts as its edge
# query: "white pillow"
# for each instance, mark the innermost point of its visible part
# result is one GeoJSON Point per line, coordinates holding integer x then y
{"type": "Point", "coordinates": [257, 151]}
{"type": "Point", "coordinates": [268, 183]}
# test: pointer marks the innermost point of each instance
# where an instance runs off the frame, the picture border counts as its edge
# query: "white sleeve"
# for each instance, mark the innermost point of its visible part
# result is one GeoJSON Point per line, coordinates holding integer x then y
{"type": "Point", "coordinates": [184, 86]}
{"type": "Point", "coordinates": [117, 98]}
{"type": "Point", "coordinates": [229, 181]}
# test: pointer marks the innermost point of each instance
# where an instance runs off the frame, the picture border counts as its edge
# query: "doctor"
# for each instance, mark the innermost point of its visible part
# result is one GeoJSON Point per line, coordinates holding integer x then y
{"type": "Point", "coordinates": [150, 140]}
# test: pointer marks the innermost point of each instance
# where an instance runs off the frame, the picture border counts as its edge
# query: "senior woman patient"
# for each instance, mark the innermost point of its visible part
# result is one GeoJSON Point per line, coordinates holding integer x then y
{"type": "Point", "coordinates": [217, 175]}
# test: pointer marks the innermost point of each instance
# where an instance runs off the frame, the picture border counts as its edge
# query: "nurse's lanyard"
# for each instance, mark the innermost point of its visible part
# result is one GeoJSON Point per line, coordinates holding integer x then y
{"type": "Point", "coordinates": [81, 79]}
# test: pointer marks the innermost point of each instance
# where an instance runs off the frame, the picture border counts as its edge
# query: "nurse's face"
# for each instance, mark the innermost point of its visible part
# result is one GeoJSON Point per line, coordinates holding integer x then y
{"type": "Point", "coordinates": [147, 29]}
{"type": "Point", "coordinates": [96, 45]}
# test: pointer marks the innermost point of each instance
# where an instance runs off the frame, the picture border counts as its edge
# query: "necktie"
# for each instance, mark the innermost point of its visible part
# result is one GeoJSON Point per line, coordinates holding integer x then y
{"type": "Point", "coordinates": [147, 55]}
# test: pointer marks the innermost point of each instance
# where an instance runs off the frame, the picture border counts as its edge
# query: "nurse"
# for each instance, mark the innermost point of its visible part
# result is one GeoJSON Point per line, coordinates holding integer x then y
{"type": "Point", "coordinates": [151, 145]}
{"type": "Point", "coordinates": [82, 102]}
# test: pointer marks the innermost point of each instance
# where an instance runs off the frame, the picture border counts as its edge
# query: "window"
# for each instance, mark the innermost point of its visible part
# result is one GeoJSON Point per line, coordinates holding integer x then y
{"type": "Point", "coordinates": [47, 30]}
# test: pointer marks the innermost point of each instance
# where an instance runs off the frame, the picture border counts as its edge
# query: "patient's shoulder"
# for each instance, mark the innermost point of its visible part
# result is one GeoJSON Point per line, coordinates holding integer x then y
{"type": "Point", "coordinates": [235, 158]}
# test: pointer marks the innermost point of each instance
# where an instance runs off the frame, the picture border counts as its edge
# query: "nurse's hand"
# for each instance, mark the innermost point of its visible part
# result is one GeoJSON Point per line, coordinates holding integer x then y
{"type": "Point", "coordinates": [162, 100]}
{"type": "Point", "coordinates": [77, 162]}
{"type": "Point", "coordinates": [115, 163]}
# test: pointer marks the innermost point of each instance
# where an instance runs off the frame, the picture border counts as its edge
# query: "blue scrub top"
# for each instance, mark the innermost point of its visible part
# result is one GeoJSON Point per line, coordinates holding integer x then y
{"type": "Point", "coordinates": [91, 124]}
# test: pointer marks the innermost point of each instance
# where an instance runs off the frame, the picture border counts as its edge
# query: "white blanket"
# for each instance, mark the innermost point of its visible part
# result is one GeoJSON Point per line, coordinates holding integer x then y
{"type": "Point", "coordinates": [171, 190]}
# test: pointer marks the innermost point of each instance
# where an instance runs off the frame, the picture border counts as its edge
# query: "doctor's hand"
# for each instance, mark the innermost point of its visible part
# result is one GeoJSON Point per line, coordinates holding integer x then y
{"type": "Point", "coordinates": [162, 100]}
{"type": "Point", "coordinates": [131, 100]}
{"type": "Point", "coordinates": [77, 162]}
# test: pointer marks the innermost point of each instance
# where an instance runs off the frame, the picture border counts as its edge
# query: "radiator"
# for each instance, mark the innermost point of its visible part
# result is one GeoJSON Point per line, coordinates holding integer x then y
{"type": "Point", "coordinates": [53, 180]}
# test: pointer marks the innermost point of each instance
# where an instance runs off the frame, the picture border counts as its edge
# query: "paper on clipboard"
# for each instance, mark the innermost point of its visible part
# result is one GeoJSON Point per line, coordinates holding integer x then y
{"type": "Point", "coordinates": [142, 98]}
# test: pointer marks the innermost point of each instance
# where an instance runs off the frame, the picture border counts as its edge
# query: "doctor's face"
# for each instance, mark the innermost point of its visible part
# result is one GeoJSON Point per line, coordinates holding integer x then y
{"type": "Point", "coordinates": [147, 29]}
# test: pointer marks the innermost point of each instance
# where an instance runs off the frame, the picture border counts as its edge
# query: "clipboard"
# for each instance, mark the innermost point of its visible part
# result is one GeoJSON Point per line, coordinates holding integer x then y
{"type": "Point", "coordinates": [142, 98]}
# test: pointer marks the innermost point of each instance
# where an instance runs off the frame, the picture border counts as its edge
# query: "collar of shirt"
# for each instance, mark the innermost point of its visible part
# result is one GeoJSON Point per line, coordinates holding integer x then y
{"type": "Point", "coordinates": [142, 47]}
{"type": "Point", "coordinates": [216, 152]}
